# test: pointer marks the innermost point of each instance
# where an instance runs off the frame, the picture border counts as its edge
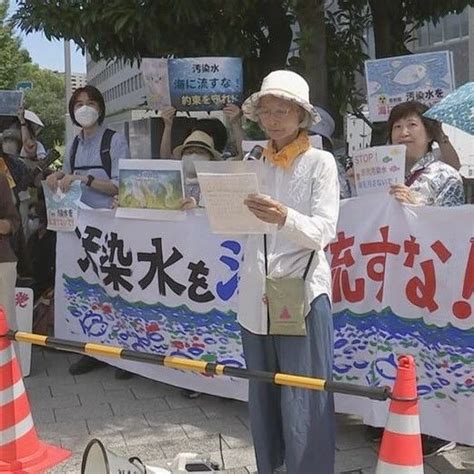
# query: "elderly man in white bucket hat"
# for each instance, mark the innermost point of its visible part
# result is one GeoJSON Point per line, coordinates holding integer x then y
{"type": "Point", "coordinates": [284, 308]}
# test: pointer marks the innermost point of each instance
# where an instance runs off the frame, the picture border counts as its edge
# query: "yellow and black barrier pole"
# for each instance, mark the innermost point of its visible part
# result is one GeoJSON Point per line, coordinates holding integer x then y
{"type": "Point", "coordinates": [209, 368]}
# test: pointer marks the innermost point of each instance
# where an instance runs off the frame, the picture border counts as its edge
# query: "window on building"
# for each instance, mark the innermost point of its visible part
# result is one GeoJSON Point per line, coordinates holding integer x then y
{"type": "Point", "coordinates": [451, 26]}
{"type": "Point", "coordinates": [140, 76]}
{"type": "Point", "coordinates": [464, 20]}
{"type": "Point", "coordinates": [423, 36]}
{"type": "Point", "coordinates": [435, 32]}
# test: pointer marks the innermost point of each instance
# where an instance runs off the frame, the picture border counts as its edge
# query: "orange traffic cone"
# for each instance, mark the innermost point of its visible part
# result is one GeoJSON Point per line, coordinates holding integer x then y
{"type": "Point", "coordinates": [400, 450]}
{"type": "Point", "coordinates": [20, 449]}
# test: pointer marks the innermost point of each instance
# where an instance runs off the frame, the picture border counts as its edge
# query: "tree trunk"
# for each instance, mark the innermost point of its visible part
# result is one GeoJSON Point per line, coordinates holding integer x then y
{"type": "Point", "coordinates": [273, 47]}
{"type": "Point", "coordinates": [389, 28]}
{"type": "Point", "coordinates": [389, 38]}
{"type": "Point", "coordinates": [310, 16]}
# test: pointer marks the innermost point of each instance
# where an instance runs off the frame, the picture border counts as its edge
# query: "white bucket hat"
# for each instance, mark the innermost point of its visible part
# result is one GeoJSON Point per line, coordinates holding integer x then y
{"type": "Point", "coordinates": [285, 85]}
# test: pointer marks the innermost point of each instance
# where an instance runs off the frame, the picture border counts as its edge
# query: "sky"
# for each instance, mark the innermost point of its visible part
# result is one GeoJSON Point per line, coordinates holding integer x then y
{"type": "Point", "coordinates": [49, 54]}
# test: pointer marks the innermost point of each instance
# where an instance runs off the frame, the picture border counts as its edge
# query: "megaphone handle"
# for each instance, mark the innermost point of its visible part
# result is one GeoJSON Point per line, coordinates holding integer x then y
{"type": "Point", "coordinates": [135, 459]}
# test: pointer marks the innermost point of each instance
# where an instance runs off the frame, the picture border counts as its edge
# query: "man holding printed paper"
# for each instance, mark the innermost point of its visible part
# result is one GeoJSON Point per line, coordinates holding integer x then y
{"type": "Point", "coordinates": [284, 310]}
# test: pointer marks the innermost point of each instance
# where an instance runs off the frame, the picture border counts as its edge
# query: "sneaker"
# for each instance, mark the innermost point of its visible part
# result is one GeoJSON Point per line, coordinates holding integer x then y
{"type": "Point", "coordinates": [121, 374]}
{"type": "Point", "coordinates": [433, 446]}
{"type": "Point", "coordinates": [191, 394]}
{"type": "Point", "coordinates": [85, 364]}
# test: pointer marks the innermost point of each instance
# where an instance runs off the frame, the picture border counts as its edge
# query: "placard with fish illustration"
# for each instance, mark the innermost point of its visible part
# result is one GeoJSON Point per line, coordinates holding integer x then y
{"type": "Point", "coordinates": [425, 77]}
{"type": "Point", "coordinates": [378, 168]}
{"type": "Point", "coordinates": [150, 189]}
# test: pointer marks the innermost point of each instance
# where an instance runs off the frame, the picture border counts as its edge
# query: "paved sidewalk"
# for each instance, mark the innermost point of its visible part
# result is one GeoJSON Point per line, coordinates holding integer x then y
{"type": "Point", "coordinates": [141, 417]}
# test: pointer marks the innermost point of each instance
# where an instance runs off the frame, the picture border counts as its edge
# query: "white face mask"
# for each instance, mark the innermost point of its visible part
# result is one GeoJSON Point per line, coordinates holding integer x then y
{"type": "Point", "coordinates": [189, 170]}
{"type": "Point", "coordinates": [86, 116]}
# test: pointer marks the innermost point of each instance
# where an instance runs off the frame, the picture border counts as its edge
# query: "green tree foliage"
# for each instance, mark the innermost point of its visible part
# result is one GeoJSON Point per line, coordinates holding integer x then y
{"type": "Point", "coordinates": [47, 100]}
{"type": "Point", "coordinates": [260, 31]}
{"type": "Point", "coordinates": [12, 56]}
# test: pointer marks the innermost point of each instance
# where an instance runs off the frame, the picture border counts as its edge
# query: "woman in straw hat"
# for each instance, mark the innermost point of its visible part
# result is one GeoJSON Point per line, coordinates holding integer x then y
{"type": "Point", "coordinates": [284, 307]}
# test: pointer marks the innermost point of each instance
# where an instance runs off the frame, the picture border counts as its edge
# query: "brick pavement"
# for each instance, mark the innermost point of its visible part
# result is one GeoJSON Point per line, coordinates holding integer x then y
{"type": "Point", "coordinates": [144, 418]}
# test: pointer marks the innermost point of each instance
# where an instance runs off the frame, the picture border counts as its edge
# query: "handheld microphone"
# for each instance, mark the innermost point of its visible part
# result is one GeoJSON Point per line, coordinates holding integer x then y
{"type": "Point", "coordinates": [255, 153]}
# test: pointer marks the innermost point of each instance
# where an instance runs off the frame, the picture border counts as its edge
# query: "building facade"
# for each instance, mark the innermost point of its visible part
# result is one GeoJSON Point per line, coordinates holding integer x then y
{"type": "Point", "coordinates": [455, 33]}
{"type": "Point", "coordinates": [122, 86]}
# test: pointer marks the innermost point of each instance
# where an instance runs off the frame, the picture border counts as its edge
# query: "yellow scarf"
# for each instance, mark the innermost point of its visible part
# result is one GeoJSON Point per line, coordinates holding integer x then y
{"type": "Point", "coordinates": [288, 154]}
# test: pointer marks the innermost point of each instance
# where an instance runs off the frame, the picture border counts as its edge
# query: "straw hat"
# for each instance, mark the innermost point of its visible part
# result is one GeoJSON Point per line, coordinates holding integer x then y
{"type": "Point", "coordinates": [198, 139]}
{"type": "Point", "coordinates": [285, 85]}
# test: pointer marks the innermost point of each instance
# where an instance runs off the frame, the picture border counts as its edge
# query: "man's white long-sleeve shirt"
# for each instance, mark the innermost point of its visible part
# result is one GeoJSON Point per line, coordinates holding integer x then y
{"type": "Point", "coordinates": [310, 191]}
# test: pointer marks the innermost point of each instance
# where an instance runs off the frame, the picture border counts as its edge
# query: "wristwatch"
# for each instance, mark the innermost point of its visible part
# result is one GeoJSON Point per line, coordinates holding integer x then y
{"type": "Point", "coordinates": [23, 124]}
{"type": "Point", "coordinates": [90, 178]}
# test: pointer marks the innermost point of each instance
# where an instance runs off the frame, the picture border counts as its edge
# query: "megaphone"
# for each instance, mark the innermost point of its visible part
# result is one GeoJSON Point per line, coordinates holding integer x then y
{"type": "Point", "coordinates": [98, 460]}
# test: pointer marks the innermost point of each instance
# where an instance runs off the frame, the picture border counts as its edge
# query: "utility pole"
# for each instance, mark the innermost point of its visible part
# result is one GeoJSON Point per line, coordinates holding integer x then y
{"type": "Point", "coordinates": [67, 81]}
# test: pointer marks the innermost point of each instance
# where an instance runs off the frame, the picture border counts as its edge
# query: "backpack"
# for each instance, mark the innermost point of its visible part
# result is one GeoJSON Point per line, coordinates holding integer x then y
{"type": "Point", "coordinates": [105, 157]}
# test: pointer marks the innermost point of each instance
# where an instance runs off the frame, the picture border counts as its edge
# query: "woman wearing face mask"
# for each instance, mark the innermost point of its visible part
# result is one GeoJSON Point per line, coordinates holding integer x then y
{"type": "Point", "coordinates": [92, 157]}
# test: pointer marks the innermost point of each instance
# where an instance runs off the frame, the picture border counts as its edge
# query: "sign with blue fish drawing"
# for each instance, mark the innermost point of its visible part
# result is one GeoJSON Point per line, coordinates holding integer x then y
{"type": "Point", "coordinates": [426, 77]}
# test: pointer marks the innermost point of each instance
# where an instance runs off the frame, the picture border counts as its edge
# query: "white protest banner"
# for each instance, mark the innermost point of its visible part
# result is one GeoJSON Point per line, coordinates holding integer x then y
{"type": "Point", "coordinates": [62, 208]}
{"type": "Point", "coordinates": [403, 283]}
{"type": "Point", "coordinates": [150, 189]}
{"type": "Point", "coordinates": [378, 168]}
{"type": "Point", "coordinates": [425, 77]}
{"type": "Point", "coordinates": [164, 287]}
{"type": "Point", "coordinates": [206, 83]}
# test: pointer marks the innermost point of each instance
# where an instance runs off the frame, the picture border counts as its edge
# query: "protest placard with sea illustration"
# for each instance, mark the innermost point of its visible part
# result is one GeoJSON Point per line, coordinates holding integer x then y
{"type": "Point", "coordinates": [150, 189]}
